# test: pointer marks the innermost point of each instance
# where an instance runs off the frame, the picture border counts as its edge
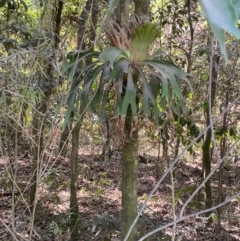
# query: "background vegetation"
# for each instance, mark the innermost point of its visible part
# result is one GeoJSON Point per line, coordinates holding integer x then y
{"type": "Point", "coordinates": [119, 120]}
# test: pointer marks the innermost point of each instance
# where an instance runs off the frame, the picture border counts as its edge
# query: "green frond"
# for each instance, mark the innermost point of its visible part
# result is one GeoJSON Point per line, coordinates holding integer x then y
{"type": "Point", "coordinates": [142, 37]}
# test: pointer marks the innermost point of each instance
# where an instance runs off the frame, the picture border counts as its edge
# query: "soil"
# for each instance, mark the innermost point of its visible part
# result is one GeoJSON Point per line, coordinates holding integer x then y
{"type": "Point", "coordinates": [99, 198]}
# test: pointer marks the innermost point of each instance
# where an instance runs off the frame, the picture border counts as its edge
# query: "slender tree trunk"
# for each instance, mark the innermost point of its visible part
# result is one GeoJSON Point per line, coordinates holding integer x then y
{"type": "Point", "coordinates": [118, 15]}
{"type": "Point", "coordinates": [190, 8]}
{"type": "Point", "coordinates": [142, 8]}
{"type": "Point", "coordinates": [62, 149]}
{"type": "Point", "coordinates": [222, 153]}
{"type": "Point", "coordinates": [122, 12]}
{"type": "Point", "coordinates": [220, 180]}
{"type": "Point", "coordinates": [206, 148]}
{"type": "Point", "coordinates": [129, 177]}
{"type": "Point", "coordinates": [157, 163]}
{"type": "Point", "coordinates": [165, 148]}
{"type": "Point", "coordinates": [74, 212]}
{"type": "Point", "coordinates": [177, 146]}
{"type": "Point", "coordinates": [207, 168]}
{"type": "Point", "coordinates": [130, 153]}
{"type": "Point", "coordinates": [106, 150]}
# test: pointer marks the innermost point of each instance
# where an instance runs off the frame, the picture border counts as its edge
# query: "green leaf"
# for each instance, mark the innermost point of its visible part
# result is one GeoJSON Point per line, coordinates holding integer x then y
{"type": "Point", "coordinates": [97, 96]}
{"type": "Point", "coordinates": [102, 116]}
{"type": "Point", "coordinates": [222, 16]}
{"type": "Point", "coordinates": [182, 104]}
{"type": "Point", "coordinates": [110, 54]}
{"type": "Point", "coordinates": [155, 85]}
{"type": "Point", "coordinates": [69, 108]}
{"type": "Point", "coordinates": [56, 230]}
{"type": "Point", "coordinates": [163, 103]}
{"type": "Point", "coordinates": [169, 72]}
{"type": "Point", "coordinates": [85, 93]}
{"type": "Point", "coordinates": [99, 93]}
{"type": "Point", "coordinates": [74, 59]}
{"type": "Point", "coordinates": [84, 72]}
{"type": "Point", "coordinates": [147, 97]}
{"type": "Point", "coordinates": [88, 74]}
{"type": "Point", "coordinates": [130, 96]}
{"type": "Point", "coordinates": [165, 88]}
{"type": "Point", "coordinates": [173, 70]}
{"type": "Point", "coordinates": [120, 67]}
{"type": "Point", "coordinates": [176, 88]}
{"type": "Point", "coordinates": [67, 65]}
{"type": "Point", "coordinates": [119, 89]}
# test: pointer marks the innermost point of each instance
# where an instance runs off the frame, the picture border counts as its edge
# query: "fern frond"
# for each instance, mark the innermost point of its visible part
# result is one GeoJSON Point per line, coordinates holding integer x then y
{"type": "Point", "coordinates": [141, 38]}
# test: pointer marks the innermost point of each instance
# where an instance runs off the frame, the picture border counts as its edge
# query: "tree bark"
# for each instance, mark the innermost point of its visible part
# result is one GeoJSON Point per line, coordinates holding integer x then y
{"type": "Point", "coordinates": [63, 143]}
{"type": "Point", "coordinates": [74, 212]}
{"type": "Point", "coordinates": [206, 148]}
{"type": "Point", "coordinates": [142, 7]}
{"type": "Point", "coordinates": [223, 147]}
{"type": "Point", "coordinates": [130, 153]}
{"type": "Point", "coordinates": [129, 177]}
{"type": "Point", "coordinates": [207, 168]}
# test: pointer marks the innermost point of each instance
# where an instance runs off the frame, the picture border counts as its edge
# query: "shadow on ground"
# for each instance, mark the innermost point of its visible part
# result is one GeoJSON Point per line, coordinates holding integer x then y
{"type": "Point", "coordinates": [99, 198]}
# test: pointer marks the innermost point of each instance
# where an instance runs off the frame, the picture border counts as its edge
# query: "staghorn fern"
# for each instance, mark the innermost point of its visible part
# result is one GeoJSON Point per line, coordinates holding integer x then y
{"type": "Point", "coordinates": [141, 38]}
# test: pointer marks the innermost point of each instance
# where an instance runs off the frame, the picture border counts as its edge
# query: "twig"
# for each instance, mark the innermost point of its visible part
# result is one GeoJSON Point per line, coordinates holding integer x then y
{"type": "Point", "coordinates": [180, 219]}
{"type": "Point", "coordinates": [174, 162]}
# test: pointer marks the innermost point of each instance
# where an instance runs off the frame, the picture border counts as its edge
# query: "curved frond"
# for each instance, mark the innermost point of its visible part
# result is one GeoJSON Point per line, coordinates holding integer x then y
{"type": "Point", "coordinates": [129, 96]}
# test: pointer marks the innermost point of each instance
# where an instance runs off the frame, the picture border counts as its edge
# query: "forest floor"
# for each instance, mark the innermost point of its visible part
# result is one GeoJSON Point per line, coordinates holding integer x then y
{"type": "Point", "coordinates": [99, 198]}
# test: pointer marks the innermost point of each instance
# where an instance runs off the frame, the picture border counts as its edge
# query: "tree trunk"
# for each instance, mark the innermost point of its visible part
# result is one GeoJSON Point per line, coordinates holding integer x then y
{"type": "Point", "coordinates": [142, 7]}
{"type": "Point", "coordinates": [220, 179]}
{"type": "Point", "coordinates": [207, 168]}
{"type": "Point", "coordinates": [74, 213]}
{"type": "Point", "coordinates": [130, 153]}
{"type": "Point", "coordinates": [129, 177]}
{"type": "Point", "coordinates": [206, 149]}
{"type": "Point", "coordinates": [223, 145]}
{"type": "Point", "coordinates": [157, 163]}
{"type": "Point", "coordinates": [63, 143]}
